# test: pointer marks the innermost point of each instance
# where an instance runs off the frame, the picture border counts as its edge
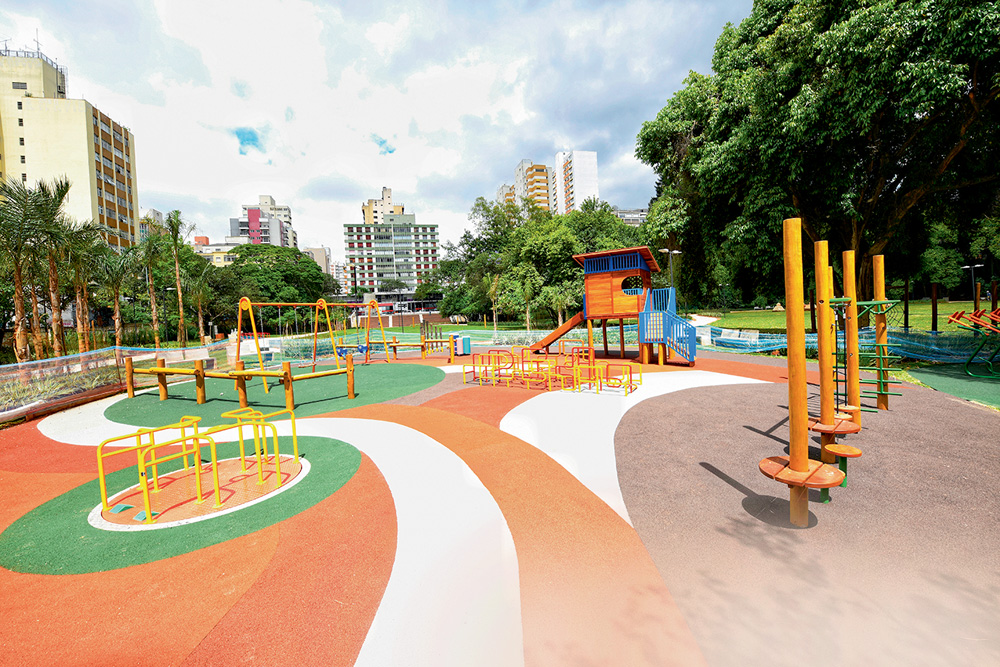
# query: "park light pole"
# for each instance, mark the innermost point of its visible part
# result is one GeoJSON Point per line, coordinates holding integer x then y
{"type": "Point", "coordinates": [973, 267]}
{"type": "Point", "coordinates": [670, 255]}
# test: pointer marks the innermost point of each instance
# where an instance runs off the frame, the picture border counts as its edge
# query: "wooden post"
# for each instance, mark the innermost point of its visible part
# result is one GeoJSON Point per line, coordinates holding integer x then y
{"type": "Point", "coordinates": [129, 377]}
{"type": "Point", "coordinates": [851, 352]}
{"type": "Point", "coordinates": [993, 296]}
{"type": "Point", "coordinates": [423, 348]}
{"type": "Point", "coordinates": [824, 317]}
{"type": "Point", "coordinates": [199, 380]}
{"type": "Point", "coordinates": [881, 333]}
{"type": "Point", "coordinates": [161, 378]}
{"type": "Point", "coordinates": [798, 415]}
{"type": "Point", "coordinates": [350, 376]}
{"type": "Point", "coordinates": [394, 357]}
{"type": "Point", "coordinates": [661, 357]}
{"type": "Point", "coordinates": [451, 348]}
{"type": "Point", "coordinates": [979, 289]}
{"type": "Point", "coordinates": [621, 338]}
{"type": "Point", "coordinates": [241, 385]}
{"type": "Point", "coordinates": [934, 299]}
{"type": "Point", "coordinates": [604, 330]}
{"type": "Point", "coordinates": [286, 379]}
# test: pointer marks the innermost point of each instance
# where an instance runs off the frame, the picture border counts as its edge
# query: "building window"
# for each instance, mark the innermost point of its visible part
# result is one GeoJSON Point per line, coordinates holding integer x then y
{"type": "Point", "coordinates": [24, 178]}
{"type": "Point", "coordinates": [20, 122]}
{"type": "Point", "coordinates": [19, 85]}
{"type": "Point", "coordinates": [22, 159]}
{"type": "Point", "coordinates": [19, 107]}
{"type": "Point", "coordinates": [22, 141]}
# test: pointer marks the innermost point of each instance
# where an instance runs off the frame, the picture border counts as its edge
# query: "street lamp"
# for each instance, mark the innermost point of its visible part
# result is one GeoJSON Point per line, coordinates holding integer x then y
{"type": "Point", "coordinates": [670, 254]}
{"type": "Point", "coordinates": [973, 267]}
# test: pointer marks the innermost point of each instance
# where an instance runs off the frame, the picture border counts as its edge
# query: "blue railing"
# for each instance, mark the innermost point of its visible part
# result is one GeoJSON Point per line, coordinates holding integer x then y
{"type": "Point", "coordinates": [678, 334]}
{"type": "Point", "coordinates": [662, 299]}
{"type": "Point", "coordinates": [632, 260]}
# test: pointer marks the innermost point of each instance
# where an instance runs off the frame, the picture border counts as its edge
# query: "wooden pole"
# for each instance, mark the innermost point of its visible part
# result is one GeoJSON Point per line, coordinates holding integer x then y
{"type": "Point", "coordinates": [350, 376]}
{"type": "Point", "coordinates": [161, 378]}
{"type": "Point", "coordinates": [979, 288]}
{"type": "Point", "coordinates": [394, 357]}
{"type": "Point", "coordinates": [241, 385]}
{"type": "Point", "coordinates": [934, 300]}
{"type": "Point", "coordinates": [661, 357]}
{"type": "Point", "coordinates": [881, 333]}
{"type": "Point", "coordinates": [851, 358]}
{"type": "Point", "coordinates": [199, 380]}
{"type": "Point", "coordinates": [798, 416]}
{"type": "Point", "coordinates": [621, 338]}
{"type": "Point", "coordinates": [993, 296]}
{"type": "Point", "coordinates": [286, 379]}
{"type": "Point", "coordinates": [604, 330]}
{"type": "Point", "coordinates": [129, 377]}
{"type": "Point", "coordinates": [824, 317]}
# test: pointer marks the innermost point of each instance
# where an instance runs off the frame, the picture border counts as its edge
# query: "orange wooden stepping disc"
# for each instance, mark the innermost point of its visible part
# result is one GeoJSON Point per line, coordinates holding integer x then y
{"type": "Point", "coordinates": [819, 475]}
{"type": "Point", "coordinates": [839, 427]}
{"type": "Point", "coordinates": [843, 450]}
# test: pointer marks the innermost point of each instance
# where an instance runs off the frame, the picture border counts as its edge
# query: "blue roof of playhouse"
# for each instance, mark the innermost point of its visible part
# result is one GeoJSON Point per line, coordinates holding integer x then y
{"type": "Point", "coordinates": [617, 260]}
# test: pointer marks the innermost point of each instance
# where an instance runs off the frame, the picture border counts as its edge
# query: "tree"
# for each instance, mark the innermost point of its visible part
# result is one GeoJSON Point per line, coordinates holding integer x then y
{"type": "Point", "coordinates": [177, 230]}
{"type": "Point", "coordinates": [850, 115]}
{"type": "Point", "coordinates": [199, 290]}
{"type": "Point", "coordinates": [114, 269]}
{"type": "Point", "coordinates": [17, 234]}
{"type": "Point", "coordinates": [392, 285]}
{"type": "Point", "coordinates": [151, 252]}
{"type": "Point", "coordinates": [48, 201]}
{"type": "Point", "coordinates": [83, 245]}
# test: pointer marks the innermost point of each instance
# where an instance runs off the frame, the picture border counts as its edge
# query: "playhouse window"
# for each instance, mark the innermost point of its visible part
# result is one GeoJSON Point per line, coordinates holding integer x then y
{"type": "Point", "coordinates": [632, 285]}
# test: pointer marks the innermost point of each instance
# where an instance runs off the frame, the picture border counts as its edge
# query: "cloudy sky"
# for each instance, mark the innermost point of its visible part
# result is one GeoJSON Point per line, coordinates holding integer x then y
{"type": "Point", "coordinates": [321, 104]}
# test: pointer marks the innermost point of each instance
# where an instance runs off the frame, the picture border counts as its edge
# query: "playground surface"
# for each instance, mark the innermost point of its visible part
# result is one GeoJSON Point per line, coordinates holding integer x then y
{"type": "Point", "coordinates": [442, 523]}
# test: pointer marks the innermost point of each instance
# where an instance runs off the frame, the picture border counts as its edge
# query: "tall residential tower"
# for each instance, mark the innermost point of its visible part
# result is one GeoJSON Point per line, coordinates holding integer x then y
{"type": "Point", "coordinates": [44, 136]}
{"type": "Point", "coordinates": [575, 179]}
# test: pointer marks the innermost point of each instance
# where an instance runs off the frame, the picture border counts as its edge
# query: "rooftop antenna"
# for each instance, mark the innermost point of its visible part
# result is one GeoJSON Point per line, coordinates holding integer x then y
{"type": "Point", "coordinates": [38, 45]}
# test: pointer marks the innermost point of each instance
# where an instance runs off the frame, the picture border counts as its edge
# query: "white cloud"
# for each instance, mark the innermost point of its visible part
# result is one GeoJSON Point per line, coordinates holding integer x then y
{"type": "Point", "coordinates": [461, 92]}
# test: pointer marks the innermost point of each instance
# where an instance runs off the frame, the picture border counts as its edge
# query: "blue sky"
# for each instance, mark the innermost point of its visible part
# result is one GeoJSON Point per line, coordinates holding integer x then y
{"type": "Point", "coordinates": [321, 104]}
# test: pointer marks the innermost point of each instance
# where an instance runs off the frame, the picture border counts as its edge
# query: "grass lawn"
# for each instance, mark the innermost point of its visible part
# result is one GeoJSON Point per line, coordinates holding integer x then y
{"type": "Point", "coordinates": [920, 317]}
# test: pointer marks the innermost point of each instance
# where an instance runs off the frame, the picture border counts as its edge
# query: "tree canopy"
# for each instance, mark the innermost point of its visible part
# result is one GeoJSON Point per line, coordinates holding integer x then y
{"type": "Point", "coordinates": [869, 119]}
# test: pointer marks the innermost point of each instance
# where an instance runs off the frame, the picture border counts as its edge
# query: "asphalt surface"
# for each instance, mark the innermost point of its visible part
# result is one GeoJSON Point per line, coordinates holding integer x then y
{"type": "Point", "coordinates": [902, 567]}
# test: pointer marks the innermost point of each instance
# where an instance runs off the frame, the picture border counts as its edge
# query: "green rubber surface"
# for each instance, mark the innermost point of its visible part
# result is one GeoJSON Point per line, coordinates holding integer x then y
{"type": "Point", "coordinates": [374, 383]}
{"type": "Point", "coordinates": [952, 379]}
{"type": "Point", "coordinates": [55, 538]}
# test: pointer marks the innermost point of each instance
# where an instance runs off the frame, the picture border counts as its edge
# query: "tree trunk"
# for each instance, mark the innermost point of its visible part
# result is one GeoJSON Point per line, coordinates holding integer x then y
{"type": "Point", "coordinates": [494, 320]}
{"type": "Point", "coordinates": [527, 318]}
{"type": "Point", "coordinates": [181, 330]}
{"type": "Point", "coordinates": [57, 327]}
{"type": "Point", "coordinates": [156, 319]}
{"type": "Point", "coordinates": [81, 329]}
{"type": "Point", "coordinates": [201, 326]}
{"type": "Point", "coordinates": [86, 320]}
{"type": "Point", "coordinates": [21, 353]}
{"type": "Point", "coordinates": [118, 321]}
{"type": "Point", "coordinates": [559, 315]}
{"type": "Point", "coordinates": [36, 326]}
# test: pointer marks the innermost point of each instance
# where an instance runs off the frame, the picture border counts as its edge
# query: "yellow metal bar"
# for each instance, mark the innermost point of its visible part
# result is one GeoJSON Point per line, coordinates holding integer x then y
{"type": "Point", "coordinates": [256, 339]}
{"type": "Point", "coordinates": [881, 332]}
{"type": "Point", "coordinates": [309, 376]}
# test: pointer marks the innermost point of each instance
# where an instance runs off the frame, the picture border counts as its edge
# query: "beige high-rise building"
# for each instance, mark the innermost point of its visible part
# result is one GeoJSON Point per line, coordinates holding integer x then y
{"type": "Point", "coordinates": [532, 182]}
{"type": "Point", "coordinates": [44, 135]}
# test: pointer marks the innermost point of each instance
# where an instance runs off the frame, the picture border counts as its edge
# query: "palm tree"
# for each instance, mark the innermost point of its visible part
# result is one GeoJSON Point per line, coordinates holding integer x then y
{"type": "Point", "coordinates": [17, 233]}
{"type": "Point", "coordinates": [83, 245]}
{"type": "Point", "coordinates": [178, 229]}
{"type": "Point", "coordinates": [199, 290]}
{"type": "Point", "coordinates": [151, 252]}
{"type": "Point", "coordinates": [115, 268]}
{"type": "Point", "coordinates": [52, 228]}
{"type": "Point", "coordinates": [33, 272]}
{"type": "Point", "coordinates": [492, 284]}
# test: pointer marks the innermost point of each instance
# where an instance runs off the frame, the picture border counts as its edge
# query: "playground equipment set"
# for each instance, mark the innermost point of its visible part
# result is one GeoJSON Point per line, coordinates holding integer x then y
{"type": "Point", "coordinates": [617, 285]}
{"type": "Point", "coordinates": [982, 324]}
{"type": "Point", "coordinates": [191, 443]}
{"type": "Point", "coordinates": [796, 470]}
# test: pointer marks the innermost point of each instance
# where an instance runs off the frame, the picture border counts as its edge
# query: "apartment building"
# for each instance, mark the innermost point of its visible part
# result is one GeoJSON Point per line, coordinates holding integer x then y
{"type": "Point", "coordinates": [575, 180]}
{"type": "Point", "coordinates": [219, 254]}
{"type": "Point", "coordinates": [44, 136]}
{"type": "Point", "coordinates": [632, 216]}
{"type": "Point", "coordinates": [532, 182]}
{"type": "Point", "coordinates": [321, 256]}
{"type": "Point", "coordinates": [265, 222]}
{"type": "Point", "coordinates": [389, 244]}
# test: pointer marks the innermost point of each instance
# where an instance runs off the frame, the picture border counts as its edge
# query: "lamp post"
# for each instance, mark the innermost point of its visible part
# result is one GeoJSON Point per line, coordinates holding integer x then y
{"type": "Point", "coordinates": [670, 254]}
{"type": "Point", "coordinates": [973, 267]}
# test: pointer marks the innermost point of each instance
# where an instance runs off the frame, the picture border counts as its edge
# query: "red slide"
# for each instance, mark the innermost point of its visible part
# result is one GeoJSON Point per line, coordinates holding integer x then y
{"type": "Point", "coordinates": [558, 333]}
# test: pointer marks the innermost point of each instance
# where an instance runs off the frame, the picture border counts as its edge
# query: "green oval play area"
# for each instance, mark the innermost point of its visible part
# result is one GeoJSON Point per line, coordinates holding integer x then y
{"type": "Point", "coordinates": [374, 383]}
{"type": "Point", "coordinates": [55, 538]}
